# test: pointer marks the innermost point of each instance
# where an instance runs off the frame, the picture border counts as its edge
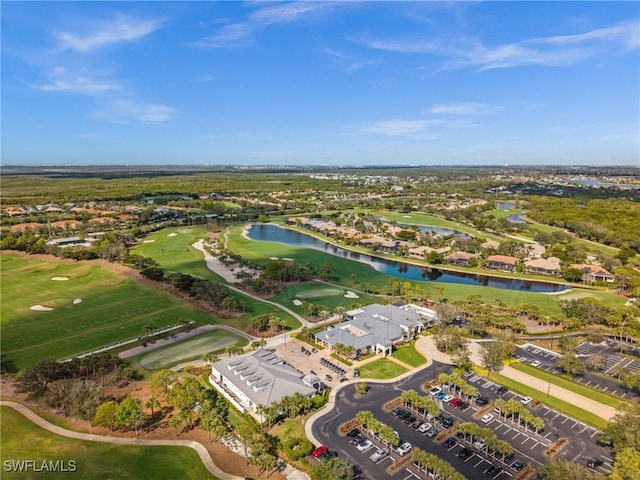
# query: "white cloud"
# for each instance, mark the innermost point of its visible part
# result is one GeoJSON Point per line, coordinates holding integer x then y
{"type": "Point", "coordinates": [554, 51]}
{"type": "Point", "coordinates": [463, 108]}
{"type": "Point", "coordinates": [127, 111]}
{"type": "Point", "coordinates": [64, 81]}
{"type": "Point", "coordinates": [394, 127]}
{"type": "Point", "coordinates": [120, 29]}
{"type": "Point", "coordinates": [204, 78]}
{"type": "Point", "coordinates": [240, 34]}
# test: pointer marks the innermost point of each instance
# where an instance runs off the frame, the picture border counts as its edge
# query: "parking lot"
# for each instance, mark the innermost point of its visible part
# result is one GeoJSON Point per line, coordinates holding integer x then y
{"type": "Point", "coordinates": [529, 447]}
{"type": "Point", "coordinates": [613, 362]}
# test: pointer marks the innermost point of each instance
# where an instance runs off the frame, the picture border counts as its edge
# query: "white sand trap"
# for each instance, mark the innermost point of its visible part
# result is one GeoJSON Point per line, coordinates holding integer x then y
{"type": "Point", "coordinates": [297, 302]}
{"type": "Point", "coordinates": [77, 301]}
{"type": "Point", "coordinates": [274, 258]}
{"type": "Point", "coordinates": [288, 259]}
{"type": "Point", "coordinates": [351, 295]}
{"type": "Point", "coordinates": [59, 279]}
{"type": "Point", "coordinates": [406, 216]}
{"type": "Point", "coordinates": [148, 241]}
{"type": "Point", "coordinates": [172, 234]}
{"type": "Point", "coordinates": [40, 308]}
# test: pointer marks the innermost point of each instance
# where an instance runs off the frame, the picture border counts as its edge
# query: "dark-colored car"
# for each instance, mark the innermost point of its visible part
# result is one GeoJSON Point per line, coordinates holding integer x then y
{"type": "Point", "coordinates": [397, 411]}
{"type": "Point", "coordinates": [502, 390]}
{"type": "Point", "coordinates": [481, 401]}
{"type": "Point", "coordinates": [517, 465]}
{"type": "Point", "coordinates": [493, 471]}
{"type": "Point", "coordinates": [449, 442]}
{"type": "Point", "coordinates": [463, 406]}
{"type": "Point", "coordinates": [465, 453]}
{"type": "Point", "coordinates": [329, 454]}
{"type": "Point", "coordinates": [594, 462]}
{"type": "Point", "coordinates": [353, 433]}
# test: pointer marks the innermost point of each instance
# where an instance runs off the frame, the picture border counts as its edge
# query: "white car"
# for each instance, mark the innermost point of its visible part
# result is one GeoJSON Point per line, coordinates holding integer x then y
{"type": "Point", "coordinates": [480, 444]}
{"type": "Point", "coordinates": [487, 418]}
{"type": "Point", "coordinates": [404, 449]}
{"type": "Point", "coordinates": [448, 398]}
{"type": "Point", "coordinates": [535, 363]}
{"type": "Point", "coordinates": [424, 427]}
{"type": "Point", "coordinates": [379, 455]}
{"type": "Point", "coordinates": [364, 445]}
{"type": "Point", "coordinates": [434, 391]}
{"type": "Point", "coordinates": [526, 400]}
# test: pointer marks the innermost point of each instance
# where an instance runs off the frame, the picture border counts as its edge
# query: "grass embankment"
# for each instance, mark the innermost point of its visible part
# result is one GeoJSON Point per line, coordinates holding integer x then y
{"type": "Point", "coordinates": [553, 402]}
{"type": "Point", "coordinates": [23, 440]}
{"type": "Point", "coordinates": [113, 307]}
{"type": "Point", "coordinates": [579, 388]}
{"type": "Point", "coordinates": [409, 355]}
{"type": "Point", "coordinates": [381, 369]}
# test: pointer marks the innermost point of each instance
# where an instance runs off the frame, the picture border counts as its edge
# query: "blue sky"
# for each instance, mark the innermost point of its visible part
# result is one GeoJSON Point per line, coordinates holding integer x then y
{"type": "Point", "coordinates": [319, 83]}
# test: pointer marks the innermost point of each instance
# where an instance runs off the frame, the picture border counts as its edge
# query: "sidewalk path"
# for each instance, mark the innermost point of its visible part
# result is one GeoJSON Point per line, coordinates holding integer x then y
{"type": "Point", "coordinates": [200, 450]}
{"type": "Point", "coordinates": [426, 346]}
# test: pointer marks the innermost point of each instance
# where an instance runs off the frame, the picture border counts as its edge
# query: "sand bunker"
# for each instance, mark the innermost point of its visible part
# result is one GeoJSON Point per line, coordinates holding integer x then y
{"type": "Point", "coordinates": [77, 301]}
{"type": "Point", "coordinates": [40, 308]}
{"type": "Point", "coordinates": [148, 241]}
{"type": "Point", "coordinates": [59, 279]}
{"type": "Point", "coordinates": [288, 259]}
{"type": "Point", "coordinates": [172, 234]}
{"type": "Point", "coordinates": [406, 216]}
{"type": "Point", "coordinates": [297, 302]}
{"type": "Point", "coordinates": [273, 258]}
{"type": "Point", "coordinates": [351, 295]}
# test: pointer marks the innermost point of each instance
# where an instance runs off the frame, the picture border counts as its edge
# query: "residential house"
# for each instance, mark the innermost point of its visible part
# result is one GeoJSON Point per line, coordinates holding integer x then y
{"type": "Point", "coordinates": [502, 262]}
{"type": "Point", "coordinates": [594, 273]}
{"type": "Point", "coordinates": [458, 258]}
{"type": "Point", "coordinates": [543, 266]}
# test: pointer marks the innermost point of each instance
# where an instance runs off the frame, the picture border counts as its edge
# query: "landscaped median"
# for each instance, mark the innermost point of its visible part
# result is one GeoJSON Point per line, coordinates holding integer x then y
{"type": "Point", "coordinates": [551, 401]}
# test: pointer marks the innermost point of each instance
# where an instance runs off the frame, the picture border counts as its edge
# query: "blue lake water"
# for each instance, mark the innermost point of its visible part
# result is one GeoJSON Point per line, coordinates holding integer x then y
{"type": "Point", "coordinates": [505, 205]}
{"type": "Point", "coordinates": [516, 218]}
{"type": "Point", "coordinates": [274, 233]}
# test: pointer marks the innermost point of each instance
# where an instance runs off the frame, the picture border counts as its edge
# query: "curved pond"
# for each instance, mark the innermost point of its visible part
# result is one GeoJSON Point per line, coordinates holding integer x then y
{"type": "Point", "coordinates": [516, 218]}
{"type": "Point", "coordinates": [274, 233]}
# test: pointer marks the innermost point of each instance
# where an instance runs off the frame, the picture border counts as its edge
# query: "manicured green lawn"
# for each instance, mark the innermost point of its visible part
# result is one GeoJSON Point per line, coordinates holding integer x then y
{"type": "Point", "coordinates": [319, 294]}
{"type": "Point", "coordinates": [553, 402]}
{"type": "Point", "coordinates": [192, 348]}
{"type": "Point", "coordinates": [499, 213]}
{"type": "Point", "coordinates": [584, 390]}
{"type": "Point", "coordinates": [410, 356]}
{"type": "Point", "coordinates": [381, 369]}
{"type": "Point", "coordinates": [171, 248]}
{"type": "Point", "coordinates": [23, 440]}
{"type": "Point", "coordinates": [114, 307]}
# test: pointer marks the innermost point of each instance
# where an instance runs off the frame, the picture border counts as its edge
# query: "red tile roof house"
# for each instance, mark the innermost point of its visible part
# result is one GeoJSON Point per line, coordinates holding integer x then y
{"type": "Point", "coordinates": [502, 262]}
{"type": "Point", "coordinates": [594, 273]}
{"type": "Point", "coordinates": [458, 258]}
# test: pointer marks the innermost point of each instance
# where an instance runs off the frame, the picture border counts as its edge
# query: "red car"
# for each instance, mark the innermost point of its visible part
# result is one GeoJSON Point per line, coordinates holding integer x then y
{"type": "Point", "coordinates": [455, 402]}
{"type": "Point", "coordinates": [318, 452]}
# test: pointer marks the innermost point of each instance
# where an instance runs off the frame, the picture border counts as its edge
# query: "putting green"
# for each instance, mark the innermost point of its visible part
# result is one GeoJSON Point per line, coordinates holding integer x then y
{"type": "Point", "coordinates": [320, 292]}
{"type": "Point", "coordinates": [189, 349]}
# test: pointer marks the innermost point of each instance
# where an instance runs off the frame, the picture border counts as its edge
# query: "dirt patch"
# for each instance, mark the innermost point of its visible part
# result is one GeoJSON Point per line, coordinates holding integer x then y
{"type": "Point", "coordinates": [533, 326]}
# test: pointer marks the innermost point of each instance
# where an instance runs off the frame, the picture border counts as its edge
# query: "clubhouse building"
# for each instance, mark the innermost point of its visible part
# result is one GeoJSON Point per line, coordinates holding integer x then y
{"type": "Point", "coordinates": [258, 378]}
{"type": "Point", "coordinates": [374, 328]}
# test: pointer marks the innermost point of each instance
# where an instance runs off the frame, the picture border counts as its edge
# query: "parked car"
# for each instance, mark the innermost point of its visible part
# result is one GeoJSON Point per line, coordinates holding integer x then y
{"type": "Point", "coordinates": [480, 444]}
{"type": "Point", "coordinates": [448, 398]}
{"type": "Point", "coordinates": [481, 401]}
{"type": "Point", "coordinates": [379, 455]}
{"type": "Point", "coordinates": [463, 406]}
{"type": "Point", "coordinates": [404, 449]}
{"type": "Point", "coordinates": [493, 471]}
{"type": "Point", "coordinates": [441, 395]}
{"type": "Point", "coordinates": [329, 454]}
{"type": "Point", "coordinates": [318, 452]}
{"type": "Point", "coordinates": [535, 363]}
{"type": "Point", "coordinates": [594, 462]}
{"type": "Point", "coordinates": [449, 442]}
{"type": "Point", "coordinates": [434, 391]}
{"type": "Point", "coordinates": [526, 400]}
{"type": "Point", "coordinates": [486, 418]}
{"type": "Point", "coordinates": [465, 453]}
{"type": "Point", "coordinates": [424, 427]}
{"type": "Point", "coordinates": [455, 402]}
{"type": "Point", "coordinates": [352, 433]}
{"type": "Point", "coordinates": [432, 432]}
{"type": "Point", "coordinates": [364, 445]}
{"type": "Point", "coordinates": [502, 390]}
{"type": "Point", "coordinates": [397, 411]}
{"type": "Point", "coordinates": [517, 465]}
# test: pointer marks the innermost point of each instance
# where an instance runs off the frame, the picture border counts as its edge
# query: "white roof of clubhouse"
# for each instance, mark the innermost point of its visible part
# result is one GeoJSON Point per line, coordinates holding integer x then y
{"type": "Point", "coordinates": [262, 376]}
{"type": "Point", "coordinates": [372, 325]}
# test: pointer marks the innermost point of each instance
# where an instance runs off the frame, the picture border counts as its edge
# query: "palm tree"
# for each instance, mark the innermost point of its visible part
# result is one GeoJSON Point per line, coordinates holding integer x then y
{"type": "Point", "coordinates": [152, 403]}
